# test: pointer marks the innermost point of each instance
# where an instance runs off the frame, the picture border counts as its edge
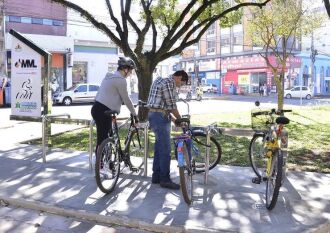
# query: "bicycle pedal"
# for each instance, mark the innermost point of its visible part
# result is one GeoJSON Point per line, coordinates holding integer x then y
{"type": "Point", "coordinates": [256, 180]}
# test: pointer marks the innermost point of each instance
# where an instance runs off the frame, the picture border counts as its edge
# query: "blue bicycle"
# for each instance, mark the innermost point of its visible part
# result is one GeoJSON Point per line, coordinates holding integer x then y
{"type": "Point", "coordinates": [190, 149]}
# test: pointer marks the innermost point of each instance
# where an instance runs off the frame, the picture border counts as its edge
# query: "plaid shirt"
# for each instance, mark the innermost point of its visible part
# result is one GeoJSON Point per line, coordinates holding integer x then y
{"type": "Point", "coordinates": [162, 94]}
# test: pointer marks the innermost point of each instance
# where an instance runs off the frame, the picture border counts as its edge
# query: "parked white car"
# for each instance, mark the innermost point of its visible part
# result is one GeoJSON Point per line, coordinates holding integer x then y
{"type": "Point", "coordinates": [298, 91]}
{"type": "Point", "coordinates": [80, 93]}
{"type": "Point", "coordinates": [210, 88]}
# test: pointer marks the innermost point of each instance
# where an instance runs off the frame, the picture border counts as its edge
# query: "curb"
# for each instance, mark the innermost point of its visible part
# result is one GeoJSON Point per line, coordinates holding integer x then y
{"type": "Point", "coordinates": [101, 219]}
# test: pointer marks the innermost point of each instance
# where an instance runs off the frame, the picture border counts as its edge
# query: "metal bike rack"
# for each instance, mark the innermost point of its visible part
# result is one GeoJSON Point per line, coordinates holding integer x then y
{"type": "Point", "coordinates": [145, 126]}
{"type": "Point", "coordinates": [57, 118]}
{"type": "Point", "coordinates": [208, 130]}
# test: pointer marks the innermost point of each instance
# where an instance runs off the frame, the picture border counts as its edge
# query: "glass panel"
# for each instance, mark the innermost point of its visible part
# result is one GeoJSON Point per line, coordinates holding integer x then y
{"type": "Point", "coordinates": [26, 20]}
{"type": "Point", "coordinates": [93, 88]}
{"type": "Point", "coordinates": [57, 22]}
{"type": "Point", "coordinates": [82, 88]}
{"type": "Point", "coordinates": [37, 21]}
{"type": "Point", "coordinates": [79, 72]}
{"type": "Point", "coordinates": [16, 19]}
{"type": "Point", "coordinates": [47, 22]}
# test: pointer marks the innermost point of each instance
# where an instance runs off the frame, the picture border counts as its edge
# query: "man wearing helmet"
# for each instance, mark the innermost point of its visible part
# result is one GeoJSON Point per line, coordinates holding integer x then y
{"type": "Point", "coordinates": [163, 109]}
{"type": "Point", "coordinates": [111, 95]}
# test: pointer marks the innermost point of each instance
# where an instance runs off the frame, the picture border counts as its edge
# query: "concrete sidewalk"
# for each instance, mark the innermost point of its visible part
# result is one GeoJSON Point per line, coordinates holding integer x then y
{"type": "Point", "coordinates": [230, 202]}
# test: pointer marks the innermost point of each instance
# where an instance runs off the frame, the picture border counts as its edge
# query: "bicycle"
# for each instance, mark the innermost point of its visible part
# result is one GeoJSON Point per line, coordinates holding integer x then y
{"type": "Point", "coordinates": [190, 146]}
{"type": "Point", "coordinates": [266, 151]}
{"type": "Point", "coordinates": [110, 153]}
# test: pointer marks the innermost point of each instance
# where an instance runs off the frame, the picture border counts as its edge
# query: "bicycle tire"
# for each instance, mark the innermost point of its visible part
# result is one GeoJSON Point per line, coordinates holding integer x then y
{"type": "Point", "coordinates": [107, 166]}
{"type": "Point", "coordinates": [186, 173]}
{"type": "Point", "coordinates": [199, 139]}
{"type": "Point", "coordinates": [257, 156]}
{"type": "Point", "coordinates": [274, 181]}
{"type": "Point", "coordinates": [133, 146]}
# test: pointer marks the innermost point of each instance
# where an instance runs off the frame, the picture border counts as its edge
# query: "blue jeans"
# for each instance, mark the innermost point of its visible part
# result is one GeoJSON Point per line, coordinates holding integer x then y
{"type": "Point", "coordinates": [160, 124]}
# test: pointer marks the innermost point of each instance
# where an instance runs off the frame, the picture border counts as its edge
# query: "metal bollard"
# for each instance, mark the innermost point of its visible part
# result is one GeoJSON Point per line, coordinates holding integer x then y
{"type": "Point", "coordinates": [146, 149]}
{"type": "Point", "coordinates": [91, 124]}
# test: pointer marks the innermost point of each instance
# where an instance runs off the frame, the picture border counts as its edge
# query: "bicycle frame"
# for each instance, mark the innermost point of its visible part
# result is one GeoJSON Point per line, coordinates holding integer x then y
{"type": "Point", "coordinates": [115, 135]}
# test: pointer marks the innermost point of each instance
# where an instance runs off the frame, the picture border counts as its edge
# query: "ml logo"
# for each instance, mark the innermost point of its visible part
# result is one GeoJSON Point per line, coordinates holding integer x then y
{"type": "Point", "coordinates": [25, 63]}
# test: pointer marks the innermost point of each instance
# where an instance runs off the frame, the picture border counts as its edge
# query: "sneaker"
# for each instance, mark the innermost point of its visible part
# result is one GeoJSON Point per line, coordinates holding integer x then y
{"type": "Point", "coordinates": [169, 185]}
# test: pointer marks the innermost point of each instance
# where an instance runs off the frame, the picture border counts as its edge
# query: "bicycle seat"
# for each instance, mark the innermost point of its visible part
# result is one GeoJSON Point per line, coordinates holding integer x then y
{"type": "Point", "coordinates": [282, 120]}
{"type": "Point", "coordinates": [110, 113]}
{"type": "Point", "coordinates": [181, 120]}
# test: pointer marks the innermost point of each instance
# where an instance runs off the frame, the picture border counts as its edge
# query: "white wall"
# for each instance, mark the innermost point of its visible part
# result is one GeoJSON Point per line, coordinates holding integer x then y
{"type": "Point", "coordinates": [97, 64]}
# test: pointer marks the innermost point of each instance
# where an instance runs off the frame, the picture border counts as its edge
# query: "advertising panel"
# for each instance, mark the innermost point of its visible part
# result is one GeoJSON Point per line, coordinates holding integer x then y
{"type": "Point", "coordinates": [25, 80]}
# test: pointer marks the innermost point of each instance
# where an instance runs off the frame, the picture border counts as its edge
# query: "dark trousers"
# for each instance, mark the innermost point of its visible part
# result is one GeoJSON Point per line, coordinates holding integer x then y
{"type": "Point", "coordinates": [103, 123]}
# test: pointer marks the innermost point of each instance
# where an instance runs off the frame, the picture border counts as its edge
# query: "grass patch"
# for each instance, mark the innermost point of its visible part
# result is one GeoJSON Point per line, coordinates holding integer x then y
{"type": "Point", "coordinates": [309, 138]}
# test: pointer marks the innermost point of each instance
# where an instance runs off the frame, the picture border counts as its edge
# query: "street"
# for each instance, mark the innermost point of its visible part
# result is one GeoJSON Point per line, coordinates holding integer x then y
{"type": "Point", "coordinates": [212, 103]}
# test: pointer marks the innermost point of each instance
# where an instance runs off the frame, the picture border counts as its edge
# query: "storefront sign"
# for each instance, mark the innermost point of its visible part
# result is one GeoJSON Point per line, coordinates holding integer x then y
{"type": "Point", "coordinates": [256, 62]}
{"type": "Point", "coordinates": [243, 79]}
{"type": "Point", "coordinates": [25, 80]}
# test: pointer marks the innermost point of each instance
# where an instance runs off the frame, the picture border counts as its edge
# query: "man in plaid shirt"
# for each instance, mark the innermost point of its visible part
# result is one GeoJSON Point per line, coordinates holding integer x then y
{"type": "Point", "coordinates": [163, 109]}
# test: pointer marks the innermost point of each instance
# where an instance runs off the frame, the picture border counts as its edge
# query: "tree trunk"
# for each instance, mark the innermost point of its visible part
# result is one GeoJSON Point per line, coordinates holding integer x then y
{"type": "Point", "coordinates": [145, 79]}
{"type": "Point", "coordinates": [279, 87]}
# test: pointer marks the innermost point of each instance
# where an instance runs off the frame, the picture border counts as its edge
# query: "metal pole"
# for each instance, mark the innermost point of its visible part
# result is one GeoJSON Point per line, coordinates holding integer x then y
{"type": "Point", "coordinates": [91, 124]}
{"type": "Point", "coordinates": [146, 148]}
{"type": "Point", "coordinates": [207, 155]}
{"type": "Point", "coordinates": [44, 138]}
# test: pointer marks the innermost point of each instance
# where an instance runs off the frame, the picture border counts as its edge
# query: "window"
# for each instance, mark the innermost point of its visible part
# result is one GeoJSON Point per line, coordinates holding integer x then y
{"type": "Point", "coordinates": [37, 21]}
{"type": "Point", "coordinates": [15, 19]}
{"type": "Point", "coordinates": [93, 88]}
{"type": "Point", "coordinates": [57, 22]}
{"type": "Point", "coordinates": [211, 30]}
{"type": "Point", "coordinates": [225, 40]}
{"type": "Point", "coordinates": [327, 74]}
{"type": "Point", "coordinates": [47, 22]}
{"type": "Point", "coordinates": [238, 39]}
{"type": "Point", "coordinates": [82, 88]}
{"type": "Point", "coordinates": [210, 46]}
{"type": "Point", "coordinates": [26, 20]}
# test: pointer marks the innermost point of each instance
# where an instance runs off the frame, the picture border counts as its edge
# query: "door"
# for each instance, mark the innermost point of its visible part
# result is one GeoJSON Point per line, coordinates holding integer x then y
{"type": "Point", "coordinates": [92, 91]}
{"type": "Point", "coordinates": [80, 94]}
{"type": "Point", "coordinates": [327, 87]}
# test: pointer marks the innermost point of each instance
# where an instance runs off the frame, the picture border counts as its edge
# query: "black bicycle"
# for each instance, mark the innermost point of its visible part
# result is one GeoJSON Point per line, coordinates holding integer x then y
{"type": "Point", "coordinates": [110, 154]}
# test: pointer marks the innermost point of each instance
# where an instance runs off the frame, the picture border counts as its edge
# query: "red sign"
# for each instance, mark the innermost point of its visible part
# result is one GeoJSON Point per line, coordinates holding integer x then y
{"type": "Point", "coordinates": [256, 62]}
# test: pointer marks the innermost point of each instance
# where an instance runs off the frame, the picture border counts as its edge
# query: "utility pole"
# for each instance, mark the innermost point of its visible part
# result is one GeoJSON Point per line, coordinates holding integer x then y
{"type": "Point", "coordinates": [2, 40]}
{"type": "Point", "coordinates": [313, 56]}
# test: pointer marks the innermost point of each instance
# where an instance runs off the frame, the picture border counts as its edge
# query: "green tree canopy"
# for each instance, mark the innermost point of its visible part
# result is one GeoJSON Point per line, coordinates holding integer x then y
{"type": "Point", "coordinates": [169, 23]}
{"type": "Point", "coordinates": [277, 28]}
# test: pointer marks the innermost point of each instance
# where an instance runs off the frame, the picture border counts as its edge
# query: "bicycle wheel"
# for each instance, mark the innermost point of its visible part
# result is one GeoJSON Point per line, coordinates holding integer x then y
{"type": "Point", "coordinates": [199, 151]}
{"type": "Point", "coordinates": [107, 166]}
{"type": "Point", "coordinates": [136, 145]}
{"type": "Point", "coordinates": [257, 154]}
{"type": "Point", "coordinates": [274, 180]}
{"type": "Point", "coordinates": [186, 174]}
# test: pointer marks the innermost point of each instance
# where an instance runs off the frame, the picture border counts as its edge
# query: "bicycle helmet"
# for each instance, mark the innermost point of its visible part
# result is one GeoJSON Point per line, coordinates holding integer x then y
{"type": "Point", "coordinates": [124, 62]}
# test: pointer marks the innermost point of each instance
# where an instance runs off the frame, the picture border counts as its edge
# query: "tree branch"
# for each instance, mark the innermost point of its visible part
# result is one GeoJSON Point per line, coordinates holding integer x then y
{"type": "Point", "coordinates": [91, 19]}
{"type": "Point", "coordinates": [327, 6]}
{"type": "Point", "coordinates": [169, 42]}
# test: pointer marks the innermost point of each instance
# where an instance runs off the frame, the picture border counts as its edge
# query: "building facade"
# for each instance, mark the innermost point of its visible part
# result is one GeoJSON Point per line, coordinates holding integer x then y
{"type": "Point", "coordinates": [226, 57]}
{"type": "Point", "coordinates": [44, 23]}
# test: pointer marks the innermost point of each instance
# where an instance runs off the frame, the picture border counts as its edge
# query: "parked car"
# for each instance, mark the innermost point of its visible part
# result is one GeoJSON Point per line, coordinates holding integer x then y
{"type": "Point", "coordinates": [210, 88]}
{"type": "Point", "coordinates": [298, 91]}
{"type": "Point", "coordinates": [80, 93]}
